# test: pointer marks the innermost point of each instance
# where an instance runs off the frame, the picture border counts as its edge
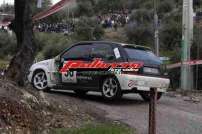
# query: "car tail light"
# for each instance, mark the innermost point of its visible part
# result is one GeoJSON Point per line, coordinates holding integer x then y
{"type": "Point", "coordinates": [148, 70]}
{"type": "Point", "coordinates": [131, 72]}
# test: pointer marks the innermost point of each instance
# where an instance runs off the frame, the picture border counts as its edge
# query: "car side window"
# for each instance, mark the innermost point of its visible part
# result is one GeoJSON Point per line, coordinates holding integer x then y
{"type": "Point", "coordinates": [79, 52]}
{"type": "Point", "coordinates": [103, 51]}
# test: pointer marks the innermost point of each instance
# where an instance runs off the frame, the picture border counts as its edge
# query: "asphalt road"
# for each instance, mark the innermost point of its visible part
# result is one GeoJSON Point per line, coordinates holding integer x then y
{"type": "Point", "coordinates": [174, 115]}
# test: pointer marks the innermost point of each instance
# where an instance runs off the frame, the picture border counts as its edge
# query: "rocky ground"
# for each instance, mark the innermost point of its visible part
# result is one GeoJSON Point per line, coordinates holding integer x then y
{"type": "Point", "coordinates": [23, 110]}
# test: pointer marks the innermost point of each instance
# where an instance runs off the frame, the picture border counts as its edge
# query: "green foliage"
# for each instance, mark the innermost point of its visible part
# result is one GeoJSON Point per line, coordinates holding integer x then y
{"type": "Point", "coordinates": [165, 6]}
{"type": "Point", "coordinates": [85, 8]}
{"type": "Point", "coordinates": [140, 29]}
{"type": "Point", "coordinates": [88, 29]}
{"type": "Point", "coordinates": [140, 34]}
{"type": "Point", "coordinates": [171, 35]}
{"type": "Point", "coordinates": [141, 16]}
{"type": "Point", "coordinates": [149, 5]}
{"type": "Point", "coordinates": [110, 5]}
{"type": "Point", "coordinates": [7, 45]}
{"type": "Point", "coordinates": [97, 129]}
{"type": "Point", "coordinates": [51, 44]}
{"type": "Point", "coordinates": [3, 64]}
{"type": "Point", "coordinates": [140, 4]}
{"type": "Point", "coordinates": [92, 7]}
{"type": "Point", "coordinates": [98, 32]}
{"type": "Point", "coordinates": [115, 36]}
{"type": "Point", "coordinates": [45, 5]}
{"type": "Point", "coordinates": [197, 47]}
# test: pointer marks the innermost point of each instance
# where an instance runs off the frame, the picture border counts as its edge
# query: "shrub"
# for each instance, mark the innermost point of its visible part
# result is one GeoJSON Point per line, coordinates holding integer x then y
{"type": "Point", "coordinates": [148, 5]}
{"type": "Point", "coordinates": [165, 6]}
{"type": "Point", "coordinates": [84, 8]}
{"type": "Point", "coordinates": [88, 29]}
{"type": "Point", "coordinates": [51, 44]}
{"type": "Point", "coordinates": [141, 16]}
{"type": "Point", "coordinates": [171, 36]}
{"type": "Point", "coordinates": [140, 34]}
{"type": "Point", "coordinates": [7, 45]}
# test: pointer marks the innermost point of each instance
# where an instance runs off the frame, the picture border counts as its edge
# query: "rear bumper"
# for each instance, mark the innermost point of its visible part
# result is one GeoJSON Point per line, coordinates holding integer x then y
{"type": "Point", "coordinates": [142, 83]}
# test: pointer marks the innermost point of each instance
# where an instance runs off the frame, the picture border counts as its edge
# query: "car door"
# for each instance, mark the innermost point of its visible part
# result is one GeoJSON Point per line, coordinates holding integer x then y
{"type": "Point", "coordinates": [78, 52]}
{"type": "Point", "coordinates": [103, 51]}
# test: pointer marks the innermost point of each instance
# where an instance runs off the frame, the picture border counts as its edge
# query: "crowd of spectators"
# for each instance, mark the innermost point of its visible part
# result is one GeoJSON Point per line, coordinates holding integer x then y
{"type": "Point", "coordinates": [113, 20]}
{"type": "Point", "coordinates": [3, 29]}
{"type": "Point", "coordinates": [110, 20]}
{"type": "Point", "coordinates": [56, 28]}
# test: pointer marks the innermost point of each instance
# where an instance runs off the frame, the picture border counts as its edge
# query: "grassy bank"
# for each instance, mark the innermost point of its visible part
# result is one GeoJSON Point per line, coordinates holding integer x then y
{"type": "Point", "coordinates": [3, 64]}
{"type": "Point", "coordinates": [97, 129]}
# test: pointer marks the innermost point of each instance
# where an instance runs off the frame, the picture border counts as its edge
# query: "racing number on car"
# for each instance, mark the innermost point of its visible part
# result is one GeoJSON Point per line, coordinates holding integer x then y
{"type": "Point", "coordinates": [69, 77]}
{"type": "Point", "coordinates": [69, 74]}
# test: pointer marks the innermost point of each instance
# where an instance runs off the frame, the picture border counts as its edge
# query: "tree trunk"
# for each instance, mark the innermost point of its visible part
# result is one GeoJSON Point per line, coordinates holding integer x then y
{"type": "Point", "coordinates": [26, 47]}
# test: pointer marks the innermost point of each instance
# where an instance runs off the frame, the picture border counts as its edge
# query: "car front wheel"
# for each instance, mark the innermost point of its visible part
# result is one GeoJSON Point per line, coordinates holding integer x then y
{"type": "Point", "coordinates": [111, 89]}
{"type": "Point", "coordinates": [146, 96]}
{"type": "Point", "coordinates": [39, 81]}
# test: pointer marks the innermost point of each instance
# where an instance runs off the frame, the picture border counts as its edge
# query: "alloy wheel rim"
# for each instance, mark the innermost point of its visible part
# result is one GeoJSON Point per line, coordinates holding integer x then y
{"type": "Point", "coordinates": [40, 81]}
{"type": "Point", "coordinates": [110, 87]}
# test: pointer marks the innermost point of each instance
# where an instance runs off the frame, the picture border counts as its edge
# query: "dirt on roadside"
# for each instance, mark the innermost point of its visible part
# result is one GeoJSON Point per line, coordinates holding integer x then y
{"type": "Point", "coordinates": [24, 110]}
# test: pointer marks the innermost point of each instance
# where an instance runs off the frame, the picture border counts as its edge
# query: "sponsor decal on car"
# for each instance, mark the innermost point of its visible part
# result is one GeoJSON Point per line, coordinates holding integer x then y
{"type": "Point", "coordinates": [132, 83]}
{"type": "Point", "coordinates": [84, 78]}
{"type": "Point", "coordinates": [98, 64]}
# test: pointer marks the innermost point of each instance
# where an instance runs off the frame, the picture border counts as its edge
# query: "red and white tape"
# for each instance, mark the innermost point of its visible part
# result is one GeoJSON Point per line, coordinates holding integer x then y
{"type": "Point", "coordinates": [55, 8]}
{"type": "Point", "coordinates": [179, 64]}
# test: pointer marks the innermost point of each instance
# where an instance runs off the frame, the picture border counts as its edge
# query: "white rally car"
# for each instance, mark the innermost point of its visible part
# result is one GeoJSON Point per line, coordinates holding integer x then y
{"type": "Point", "coordinates": [46, 74]}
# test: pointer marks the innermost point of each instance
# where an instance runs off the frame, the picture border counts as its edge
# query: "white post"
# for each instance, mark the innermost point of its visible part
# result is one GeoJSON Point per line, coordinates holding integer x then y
{"type": "Point", "coordinates": [156, 29]}
{"type": "Point", "coordinates": [187, 39]}
{"type": "Point", "coordinates": [39, 4]}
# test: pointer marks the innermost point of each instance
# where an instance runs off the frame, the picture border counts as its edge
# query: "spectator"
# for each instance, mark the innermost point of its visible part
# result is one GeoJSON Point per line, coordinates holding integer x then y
{"type": "Point", "coordinates": [56, 28]}
{"type": "Point", "coordinates": [113, 20]}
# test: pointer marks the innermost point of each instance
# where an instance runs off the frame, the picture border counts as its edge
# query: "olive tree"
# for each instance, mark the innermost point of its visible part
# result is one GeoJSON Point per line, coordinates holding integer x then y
{"type": "Point", "coordinates": [26, 46]}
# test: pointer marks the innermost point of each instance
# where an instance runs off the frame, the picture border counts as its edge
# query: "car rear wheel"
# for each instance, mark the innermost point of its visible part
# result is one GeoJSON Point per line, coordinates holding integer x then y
{"type": "Point", "coordinates": [146, 96]}
{"type": "Point", "coordinates": [40, 81]}
{"type": "Point", "coordinates": [111, 89]}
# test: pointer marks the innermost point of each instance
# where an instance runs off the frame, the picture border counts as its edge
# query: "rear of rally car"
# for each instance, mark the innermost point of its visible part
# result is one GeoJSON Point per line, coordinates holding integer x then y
{"type": "Point", "coordinates": [150, 75]}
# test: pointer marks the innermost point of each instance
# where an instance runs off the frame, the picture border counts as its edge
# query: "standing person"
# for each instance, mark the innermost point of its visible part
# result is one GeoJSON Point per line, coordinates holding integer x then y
{"type": "Point", "coordinates": [112, 23]}
{"type": "Point", "coordinates": [115, 25]}
{"type": "Point", "coordinates": [127, 19]}
{"type": "Point", "coordinates": [2, 73]}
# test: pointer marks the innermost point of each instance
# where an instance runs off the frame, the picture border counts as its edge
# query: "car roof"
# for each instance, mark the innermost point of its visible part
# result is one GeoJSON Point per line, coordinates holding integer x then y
{"type": "Point", "coordinates": [136, 47]}
{"type": "Point", "coordinates": [122, 44]}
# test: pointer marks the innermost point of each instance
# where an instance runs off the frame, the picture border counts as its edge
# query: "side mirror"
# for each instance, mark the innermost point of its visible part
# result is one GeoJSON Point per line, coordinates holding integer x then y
{"type": "Point", "coordinates": [57, 58]}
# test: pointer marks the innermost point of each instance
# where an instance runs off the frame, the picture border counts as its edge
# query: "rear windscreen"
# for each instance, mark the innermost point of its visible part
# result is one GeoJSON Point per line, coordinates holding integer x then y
{"type": "Point", "coordinates": [141, 55]}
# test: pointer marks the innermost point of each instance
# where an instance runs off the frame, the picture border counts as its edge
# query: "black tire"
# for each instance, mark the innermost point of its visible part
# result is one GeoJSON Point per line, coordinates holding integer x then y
{"type": "Point", "coordinates": [80, 92]}
{"type": "Point", "coordinates": [117, 93]}
{"type": "Point", "coordinates": [38, 73]}
{"type": "Point", "coordinates": [146, 96]}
